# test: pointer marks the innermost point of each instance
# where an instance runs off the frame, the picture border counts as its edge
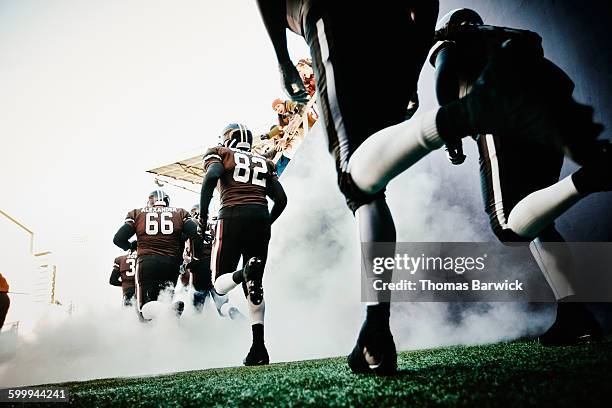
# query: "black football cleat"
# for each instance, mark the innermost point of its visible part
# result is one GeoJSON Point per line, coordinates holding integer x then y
{"type": "Point", "coordinates": [374, 352]}
{"type": "Point", "coordinates": [178, 307]}
{"type": "Point", "coordinates": [258, 355]}
{"type": "Point", "coordinates": [253, 274]}
{"type": "Point", "coordinates": [574, 325]}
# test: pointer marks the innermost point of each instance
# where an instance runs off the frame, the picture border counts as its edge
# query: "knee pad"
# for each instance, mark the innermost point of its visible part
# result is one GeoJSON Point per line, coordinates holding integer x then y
{"type": "Point", "coordinates": [355, 198]}
{"type": "Point", "coordinates": [508, 237]}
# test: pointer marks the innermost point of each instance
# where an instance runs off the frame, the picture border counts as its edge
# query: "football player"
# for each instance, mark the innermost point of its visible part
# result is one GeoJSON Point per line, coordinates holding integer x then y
{"type": "Point", "coordinates": [197, 266]}
{"type": "Point", "coordinates": [244, 180]}
{"type": "Point", "coordinates": [124, 269]}
{"type": "Point", "coordinates": [159, 230]}
{"type": "Point", "coordinates": [511, 168]}
{"type": "Point", "coordinates": [372, 143]}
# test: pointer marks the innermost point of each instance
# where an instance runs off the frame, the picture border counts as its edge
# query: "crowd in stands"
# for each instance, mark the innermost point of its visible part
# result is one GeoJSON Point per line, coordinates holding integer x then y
{"type": "Point", "coordinates": [283, 139]}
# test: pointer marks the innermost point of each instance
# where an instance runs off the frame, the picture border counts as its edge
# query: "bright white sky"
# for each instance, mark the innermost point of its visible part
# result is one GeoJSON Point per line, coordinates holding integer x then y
{"type": "Point", "coordinates": [94, 93]}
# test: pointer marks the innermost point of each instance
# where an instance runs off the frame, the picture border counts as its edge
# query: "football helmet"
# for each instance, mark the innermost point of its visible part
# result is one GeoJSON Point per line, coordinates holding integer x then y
{"type": "Point", "coordinates": [458, 17]}
{"type": "Point", "coordinates": [158, 197]}
{"type": "Point", "coordinates": [238, 136]}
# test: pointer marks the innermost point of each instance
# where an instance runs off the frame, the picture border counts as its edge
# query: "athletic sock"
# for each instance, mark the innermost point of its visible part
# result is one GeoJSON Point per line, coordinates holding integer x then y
{"type": "Point", "coordinates": [225, 283]}
{"type": "Point", "coordinates": [237, 276]}
{"type": "Point", "coordinates": [258, 333]}
{"type": "Point", "coordinates": [378, 314]}
{"type": "Point", "coordinates": [452, 121]}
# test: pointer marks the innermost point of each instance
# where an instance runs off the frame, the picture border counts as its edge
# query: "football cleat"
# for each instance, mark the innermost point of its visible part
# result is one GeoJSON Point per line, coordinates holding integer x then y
{"type": "Point", "coordinates": [252, 274]}
{"type": "Point", "coordinates": [178, 307]}
{"type": "Point", "coordinates": [374, 352]}
{"type": "Point", "coordinates": [574, 325]}
{"type": "Point", "coordinates": [258, 355]}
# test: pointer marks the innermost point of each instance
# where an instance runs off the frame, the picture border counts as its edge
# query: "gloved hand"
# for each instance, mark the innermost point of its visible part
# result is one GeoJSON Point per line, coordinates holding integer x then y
{"type": "Point", "coordinates": [454, 152]}
{"type": "Point", "coordinates": [208, 237]}
{"type": "Point", "coordinates": [292, 83]}
{"type": "Point", "coordinates": [133, 245]}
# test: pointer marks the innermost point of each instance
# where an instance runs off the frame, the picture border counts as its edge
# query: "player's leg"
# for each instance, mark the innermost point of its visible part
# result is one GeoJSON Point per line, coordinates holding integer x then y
{"type": "Point", "coordinates": [154, 274]}
{"type": "Point", "coordinates": [128, 296]}
{"type": "Point", "coordinates": [352, 113]}
{"type": "Point", "coordinates": [375, 346]}
{"type": "Point", "coordinates": [510, 170]}
{"type": "Point", "coordinates": [574, 323]}
{"type": "Point", "coordinates": [201, 280]}
{"type": "Point", "coordinates": [143, 283]}
{"type": "Point", "coordinates": [256, 236]}
{"type": "Point", "coordinates": [226, 255]}
{"type": "Point", "coordinates": [537, 210]}
{"type": "Point", "coordinates": [224, 307]}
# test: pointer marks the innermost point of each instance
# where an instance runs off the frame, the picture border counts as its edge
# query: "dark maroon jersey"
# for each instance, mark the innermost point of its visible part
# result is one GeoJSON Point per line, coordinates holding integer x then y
{"type": "Point", "coordinates": [158, 230]}
{"type": "Point", "coordinates": [245, 178]}
{"type": "Point", "coordinates": [126, 265]}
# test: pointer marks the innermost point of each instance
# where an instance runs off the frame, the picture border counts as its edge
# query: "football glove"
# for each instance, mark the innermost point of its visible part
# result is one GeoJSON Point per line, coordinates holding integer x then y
{"type": "Point", "coordinates": [292, 83]}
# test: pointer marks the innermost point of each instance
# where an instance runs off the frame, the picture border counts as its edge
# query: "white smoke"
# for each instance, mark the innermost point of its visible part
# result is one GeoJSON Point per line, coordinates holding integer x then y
{"type": "Point", "coordinates": [312, 289]}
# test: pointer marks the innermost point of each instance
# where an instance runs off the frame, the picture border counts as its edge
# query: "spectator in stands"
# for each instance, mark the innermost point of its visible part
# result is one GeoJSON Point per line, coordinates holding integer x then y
{"type": "Point", "coordinates": [5, 302]}
{"type": "Point", "coordinates": [304, 68]}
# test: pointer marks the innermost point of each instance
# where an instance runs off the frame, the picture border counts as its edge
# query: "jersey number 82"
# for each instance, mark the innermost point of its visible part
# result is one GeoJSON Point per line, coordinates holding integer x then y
{"type": "Point", "coordinates": [243, 172]}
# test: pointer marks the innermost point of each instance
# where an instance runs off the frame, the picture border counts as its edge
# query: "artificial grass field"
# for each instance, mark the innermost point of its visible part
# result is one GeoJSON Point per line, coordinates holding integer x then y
{"type": "Point", "coordinates": [501, 375]}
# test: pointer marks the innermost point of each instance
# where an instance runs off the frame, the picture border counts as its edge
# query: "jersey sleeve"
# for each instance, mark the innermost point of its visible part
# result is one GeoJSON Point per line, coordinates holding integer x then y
{"type": "Point", "coordinates": [185, 215]}
{"type": "Point", "coordinates": [130, 218]}
{"type": "Point", "coordinates": [117, 263]}
{"type": "Point", "coordinates": [212, 155]}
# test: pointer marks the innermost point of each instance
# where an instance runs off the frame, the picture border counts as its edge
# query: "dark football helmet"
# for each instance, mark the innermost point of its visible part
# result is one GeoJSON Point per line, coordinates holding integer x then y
{"type": "Point", "coordinates": [158, 197]}
{"type": "Point", "coordinates": [457, 17]}
{"type": "Point", "coordinates": [237, 136]}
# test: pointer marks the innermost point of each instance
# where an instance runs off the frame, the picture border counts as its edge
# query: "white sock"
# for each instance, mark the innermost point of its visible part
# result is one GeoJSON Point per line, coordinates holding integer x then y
{"type": "Point", "coordinates": [225, 283]}
{"type": "Point", "coordinates": [256, 312]}
{"type": "Point", "coordinates": [539, 209]}
{"type": "Point", "coordinates": [556, 265]}
{"type": "Point", "coordinates": [392, 150]}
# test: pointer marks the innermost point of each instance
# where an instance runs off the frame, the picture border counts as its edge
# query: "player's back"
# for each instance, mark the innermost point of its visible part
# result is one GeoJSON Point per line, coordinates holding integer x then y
{"type": "Point", "coordinates": [245, 176]}
{"type": "Point", "coordinates": [127, 269]}
{"type": "Point", "coordinates": [158, 230]}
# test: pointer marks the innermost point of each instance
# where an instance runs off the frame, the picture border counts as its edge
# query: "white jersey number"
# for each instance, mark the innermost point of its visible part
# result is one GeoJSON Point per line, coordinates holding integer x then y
{"type": "Point", "coordinates": [243, 171]}
{"type": "Point", "coordinates": [159, 222]}
{"type": "Point", "coordinates": [132, 263]}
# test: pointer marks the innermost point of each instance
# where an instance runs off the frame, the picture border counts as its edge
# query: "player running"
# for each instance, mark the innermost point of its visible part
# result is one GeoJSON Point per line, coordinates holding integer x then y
{"type": "Point", "coordinates": [371, 142]}
{"type": "Point", "coordinates": [124, 269]}
{"type": "Point", "coordinates": [159, 230]}
{"type": "Point", "coordinates": [198, 272]}
{"type": "Point", "coordinates": [244, 180]}
{"type": "Point", "coordinates": [511, 168]}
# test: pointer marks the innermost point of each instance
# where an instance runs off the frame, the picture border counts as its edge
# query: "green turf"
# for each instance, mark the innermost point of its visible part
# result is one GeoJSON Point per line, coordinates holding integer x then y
{"type": "Point", "coordinates": [501, 375]}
